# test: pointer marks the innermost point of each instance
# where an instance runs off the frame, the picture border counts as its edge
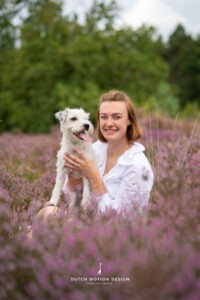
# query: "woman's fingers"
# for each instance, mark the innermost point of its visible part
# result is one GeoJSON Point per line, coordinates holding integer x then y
{"type": "Point", "coordinates": [70, 162]}
{"type": "Point", "coordinates": [71, 157]}
{"type": "Point", "coordinates": [74, 161]}
{"type": "Point", "coordinates": [81, 154]}
{"type": "Point", "coordinates": [71, 166]}
{"type": "Point", "coordinates": [79, 163]}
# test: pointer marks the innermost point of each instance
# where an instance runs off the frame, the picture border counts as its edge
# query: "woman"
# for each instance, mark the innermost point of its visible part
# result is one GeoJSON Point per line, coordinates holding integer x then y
{"type": "Point", "coordinates": [122, 176]}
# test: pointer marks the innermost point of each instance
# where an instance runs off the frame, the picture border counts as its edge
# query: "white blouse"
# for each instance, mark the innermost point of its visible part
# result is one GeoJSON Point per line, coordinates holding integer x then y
{"type": "Point", "coordinates": [128, 183]}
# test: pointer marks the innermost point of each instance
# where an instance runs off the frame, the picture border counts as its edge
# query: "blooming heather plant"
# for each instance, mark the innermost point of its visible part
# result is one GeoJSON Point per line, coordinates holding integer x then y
{"type": "Point", "coordinates": [154, 255]}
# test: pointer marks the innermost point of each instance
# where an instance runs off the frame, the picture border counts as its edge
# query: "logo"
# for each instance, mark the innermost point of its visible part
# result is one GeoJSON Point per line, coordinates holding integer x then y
{"type": "Point", "coordinates": [99, 271]}
{"type": "Point", "coordinates": [98, 279]}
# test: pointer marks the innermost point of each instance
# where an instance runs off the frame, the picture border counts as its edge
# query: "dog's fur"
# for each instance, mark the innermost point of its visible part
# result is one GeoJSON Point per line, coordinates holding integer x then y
{"type": "Point", "coordinates": [75, 127]}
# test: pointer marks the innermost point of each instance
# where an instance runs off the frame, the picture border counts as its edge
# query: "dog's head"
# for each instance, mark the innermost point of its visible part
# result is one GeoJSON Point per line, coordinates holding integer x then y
{"type": "Point", "coordinates": [75, 122]}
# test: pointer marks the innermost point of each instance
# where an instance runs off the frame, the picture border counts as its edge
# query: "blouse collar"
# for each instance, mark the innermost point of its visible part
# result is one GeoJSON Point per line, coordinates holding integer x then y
{"type": "Point", "coordinates": [125, 158]}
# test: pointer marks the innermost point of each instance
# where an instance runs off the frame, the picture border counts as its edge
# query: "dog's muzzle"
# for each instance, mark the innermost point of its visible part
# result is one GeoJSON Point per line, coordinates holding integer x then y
{"type": "Point", "coordinates": [84, 134]}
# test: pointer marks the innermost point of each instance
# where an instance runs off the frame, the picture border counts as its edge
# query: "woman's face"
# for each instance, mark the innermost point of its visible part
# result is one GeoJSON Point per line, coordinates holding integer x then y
{"type": "Point", "coordinates": [113, 120]}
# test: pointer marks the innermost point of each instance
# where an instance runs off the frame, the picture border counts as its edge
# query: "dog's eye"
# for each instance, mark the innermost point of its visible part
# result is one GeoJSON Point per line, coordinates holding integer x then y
{"type": "Point", "coordinates": [73, 119]}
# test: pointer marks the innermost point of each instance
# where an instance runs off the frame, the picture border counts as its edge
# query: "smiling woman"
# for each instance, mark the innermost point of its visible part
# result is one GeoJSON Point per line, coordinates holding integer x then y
{"type": "Point", "coordinates": [121, 177]}
{"type": "Point", "coordinates": [117, 107]}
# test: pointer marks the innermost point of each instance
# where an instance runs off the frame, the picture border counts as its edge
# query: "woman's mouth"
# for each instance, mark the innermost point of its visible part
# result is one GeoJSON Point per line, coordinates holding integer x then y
{"type": "Point", "coordinates": [110, 131]}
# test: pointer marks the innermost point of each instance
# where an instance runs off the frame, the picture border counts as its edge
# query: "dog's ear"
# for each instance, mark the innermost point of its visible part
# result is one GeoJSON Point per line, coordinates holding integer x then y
{"type": "Point", "coordinates": [61, 115]}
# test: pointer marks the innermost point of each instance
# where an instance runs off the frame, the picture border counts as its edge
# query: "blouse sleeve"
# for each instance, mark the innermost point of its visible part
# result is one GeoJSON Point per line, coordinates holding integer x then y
{"type": "Point", "coordinates": [133, 189]}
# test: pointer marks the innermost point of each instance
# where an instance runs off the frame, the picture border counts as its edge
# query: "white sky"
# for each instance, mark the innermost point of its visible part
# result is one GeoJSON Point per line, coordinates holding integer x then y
{"type": "Point", "coordinates": [162, 14]}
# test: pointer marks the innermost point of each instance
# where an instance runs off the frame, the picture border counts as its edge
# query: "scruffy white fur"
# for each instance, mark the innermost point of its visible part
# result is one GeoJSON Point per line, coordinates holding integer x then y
{"type": "Point", "coordinates": [74, 124]}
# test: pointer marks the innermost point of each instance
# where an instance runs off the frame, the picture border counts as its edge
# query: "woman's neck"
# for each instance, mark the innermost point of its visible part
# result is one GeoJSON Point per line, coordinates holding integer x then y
{"type": "Point", "coordinates": [115, 149]}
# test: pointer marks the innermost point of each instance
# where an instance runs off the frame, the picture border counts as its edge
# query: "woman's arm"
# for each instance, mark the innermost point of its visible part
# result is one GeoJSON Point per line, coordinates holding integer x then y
{"type": "Point", "coordinates": [130, 189]}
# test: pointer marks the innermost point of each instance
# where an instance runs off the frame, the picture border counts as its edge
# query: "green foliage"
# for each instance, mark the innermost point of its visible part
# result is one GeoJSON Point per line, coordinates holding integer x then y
{"type": "Point", "coordinates": [190, 111]}
{"type": "Point", "coordinates": [56, 62]}
{"type": "Point", "coordinates": [101, 16]}
{"type": "Point", "coordinates": [164, 101]}
{"type": "Point", "coordinates": [183, 56]}
{"type": "Point", "coordinates": [75, 96]}
{"type": "Point", "coordinates": [7, 29]}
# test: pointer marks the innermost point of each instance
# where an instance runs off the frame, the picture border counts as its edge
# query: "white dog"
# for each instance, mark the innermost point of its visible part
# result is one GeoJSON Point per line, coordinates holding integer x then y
{"type": "Point", "coordinates": [75, 127]}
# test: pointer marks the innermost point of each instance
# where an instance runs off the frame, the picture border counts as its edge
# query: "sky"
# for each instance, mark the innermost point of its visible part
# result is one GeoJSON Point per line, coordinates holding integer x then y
{"type": "Point", "coordinates": [162, 14]}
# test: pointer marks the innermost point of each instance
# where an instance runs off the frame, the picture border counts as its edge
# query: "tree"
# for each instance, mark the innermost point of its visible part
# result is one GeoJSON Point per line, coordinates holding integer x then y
{"type": "Point", "coordinates": [101, 16]}
{"type": "Point", "coordinates": [183, 56]}
{"type": "Point", "coordinates": [34, 69]}
{"type": "Point", "coordinates": [61, 62]}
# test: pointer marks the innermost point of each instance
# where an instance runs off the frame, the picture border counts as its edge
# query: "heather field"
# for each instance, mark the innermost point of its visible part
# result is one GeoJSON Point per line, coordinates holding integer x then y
{"type": "Point", "coordinates": [154, 255]}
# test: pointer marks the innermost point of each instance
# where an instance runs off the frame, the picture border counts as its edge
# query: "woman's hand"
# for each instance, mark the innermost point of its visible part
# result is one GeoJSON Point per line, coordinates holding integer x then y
{"type": "Point", "coordinates": [88, 168]}
{"type": "Point", "coordinates": [81, 163]}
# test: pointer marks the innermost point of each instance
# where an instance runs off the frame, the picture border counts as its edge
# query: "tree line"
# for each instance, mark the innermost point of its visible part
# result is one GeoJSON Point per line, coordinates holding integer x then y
{"type": "Point", "coordinates": [49, 61]}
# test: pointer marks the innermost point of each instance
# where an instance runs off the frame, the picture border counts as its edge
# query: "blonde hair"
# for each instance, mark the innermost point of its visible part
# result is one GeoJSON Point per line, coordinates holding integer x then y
{"type": "Point", "coordinates": [134, 131]}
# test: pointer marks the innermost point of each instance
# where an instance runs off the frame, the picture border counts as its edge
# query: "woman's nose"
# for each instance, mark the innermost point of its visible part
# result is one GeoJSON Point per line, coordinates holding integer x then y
{"type": "Point", "coordinates": [109, 122]}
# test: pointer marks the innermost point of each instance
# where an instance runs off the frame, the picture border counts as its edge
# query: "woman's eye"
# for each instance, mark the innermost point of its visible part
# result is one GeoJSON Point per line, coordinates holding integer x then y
{"type": "Point", "coordinates": [73, 119]}
{"type": "Point", "coordinates": [117, 117]}
{"type": "Point", "coordinates": [103, 117]}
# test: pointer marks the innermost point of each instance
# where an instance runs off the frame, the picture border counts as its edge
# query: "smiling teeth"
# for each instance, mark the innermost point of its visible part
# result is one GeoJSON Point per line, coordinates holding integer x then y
{"type": "Point", "coordinates": [110, 130]}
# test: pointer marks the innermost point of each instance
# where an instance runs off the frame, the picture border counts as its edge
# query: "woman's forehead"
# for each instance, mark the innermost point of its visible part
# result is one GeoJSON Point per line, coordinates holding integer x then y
{"type": "Point", "coordinates": [113, 107]}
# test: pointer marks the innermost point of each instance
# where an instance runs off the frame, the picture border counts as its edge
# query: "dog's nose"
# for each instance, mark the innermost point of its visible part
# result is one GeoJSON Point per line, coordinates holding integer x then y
{"type": "Point", "coordinates": [86, 126]}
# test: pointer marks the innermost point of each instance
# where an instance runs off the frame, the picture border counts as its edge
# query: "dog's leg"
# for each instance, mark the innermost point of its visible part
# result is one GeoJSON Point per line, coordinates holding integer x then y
{"type": "Point", "coordinates": [60, 179]}
{"type": "Point", "coordinates": [86, 193]}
